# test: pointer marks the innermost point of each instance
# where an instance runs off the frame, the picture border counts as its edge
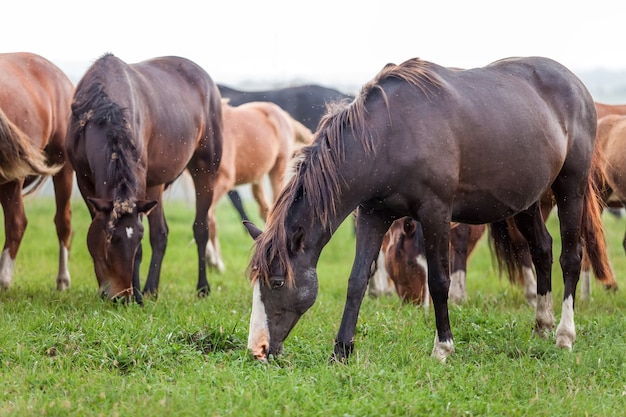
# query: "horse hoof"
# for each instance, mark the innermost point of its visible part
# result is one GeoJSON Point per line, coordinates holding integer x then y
{"type": "Point", "coordinates": [441, 350]}
{"type": "Point", "coordinates": [150, 294]}
{"type": "Point", "coordinates": [565, 337]}
{"type": "Point", "coordinates": [63, 284]}
{"type": "Point", "coordinates": [203, 292]}
{"type": "Point", "coordinates": [542, 331]}
{"type": "Point", "coordinates": [341, 352]}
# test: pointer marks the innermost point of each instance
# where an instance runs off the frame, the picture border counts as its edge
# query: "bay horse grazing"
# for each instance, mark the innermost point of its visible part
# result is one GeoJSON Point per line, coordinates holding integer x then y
{"type": "Point", "coordinates": [405, 262]}
{"type": "Point", "coordinates": [259, 139]}
{"type": "Point", "coordinates": [35, 97]}
{"type": "Point", "coordinates": [134, 129]}
{"type": "Point", "coordinates": [406, 247]}
{"type": "Point", "coordinates": [438, 145]}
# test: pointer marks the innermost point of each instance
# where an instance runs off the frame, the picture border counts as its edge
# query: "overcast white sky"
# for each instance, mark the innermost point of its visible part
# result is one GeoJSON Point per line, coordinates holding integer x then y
{"type": "Point", "coordinates": [325, 41]}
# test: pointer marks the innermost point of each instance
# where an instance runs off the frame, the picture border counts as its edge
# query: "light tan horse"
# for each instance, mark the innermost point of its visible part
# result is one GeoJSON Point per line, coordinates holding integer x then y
{"type": "Point", "coordinates": [260, 139]}
{"type": "Point", "coordinates": [611, 138]}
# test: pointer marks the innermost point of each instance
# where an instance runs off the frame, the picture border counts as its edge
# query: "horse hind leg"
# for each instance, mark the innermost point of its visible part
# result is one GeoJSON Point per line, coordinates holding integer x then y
{"type": "Point", "coordinates": [15, 223]}
{"type": "Point", "coordinates": [533, 228]}
{"type": "Point", "coordinates": [259, 195]}
{"type": "Point", "coordinates": [204, 198]}
{"type": "Point", "coordinates": [62, 219]}
{"type": "Point", "coordinates": [585, 276]}
{"type": "Point", "coordinates": [459, 246]}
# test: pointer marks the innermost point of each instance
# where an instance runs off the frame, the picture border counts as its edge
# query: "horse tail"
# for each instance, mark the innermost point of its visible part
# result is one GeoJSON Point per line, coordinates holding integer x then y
{"type": "Point", "coordinates": [18, 157]}
{"type": "Point", "coordinates": [507, 253]}
{"type": "Point", "coordinates": [592, 228]}
{"type": "Point", "coordinates": [304, 136]}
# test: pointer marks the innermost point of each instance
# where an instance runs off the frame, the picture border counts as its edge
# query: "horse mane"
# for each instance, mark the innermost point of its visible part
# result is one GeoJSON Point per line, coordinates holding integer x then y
{"type": "Point", "coordinates": [316, 178]}
{"type": "Point", "coordinates": [93, 105]}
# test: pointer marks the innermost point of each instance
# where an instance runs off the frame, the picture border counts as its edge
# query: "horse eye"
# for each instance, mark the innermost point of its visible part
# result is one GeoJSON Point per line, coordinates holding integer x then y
{"type": "Point", "coordinates": [277, 282]}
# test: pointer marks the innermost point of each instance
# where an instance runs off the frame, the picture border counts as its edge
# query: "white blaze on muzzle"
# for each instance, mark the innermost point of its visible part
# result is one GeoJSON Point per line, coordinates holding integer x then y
{"type": "Point", "coordinates": [259, 335]}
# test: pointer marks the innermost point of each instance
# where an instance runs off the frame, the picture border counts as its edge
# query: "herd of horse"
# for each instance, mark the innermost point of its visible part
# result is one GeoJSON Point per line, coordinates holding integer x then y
{"type": "Point", "coordinates": [425, 157]}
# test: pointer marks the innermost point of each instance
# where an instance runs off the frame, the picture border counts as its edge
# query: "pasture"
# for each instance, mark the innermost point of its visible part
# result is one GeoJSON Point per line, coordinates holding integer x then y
{"type": "Point", "coordinates": [71, 353]}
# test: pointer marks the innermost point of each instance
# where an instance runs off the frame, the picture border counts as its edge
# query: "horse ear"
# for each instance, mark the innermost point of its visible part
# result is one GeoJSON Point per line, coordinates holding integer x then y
{"type": "Point", "coordinates": [296, 243]}
{"type": "Point", "coordinates": [100, 205]}
{"type": "Point", "coordinates": [252, 229]}
{"type": "Point", "coordinates": [146, 206]}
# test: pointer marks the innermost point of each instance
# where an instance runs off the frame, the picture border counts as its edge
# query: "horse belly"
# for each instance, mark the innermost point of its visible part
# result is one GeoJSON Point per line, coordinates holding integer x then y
{"type": "Point", "coordinates": [486, 206]}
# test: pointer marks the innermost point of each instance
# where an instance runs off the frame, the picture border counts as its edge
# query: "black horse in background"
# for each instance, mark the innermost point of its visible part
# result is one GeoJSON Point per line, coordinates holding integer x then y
{"type": "Point", "coordinates": [305, 103]}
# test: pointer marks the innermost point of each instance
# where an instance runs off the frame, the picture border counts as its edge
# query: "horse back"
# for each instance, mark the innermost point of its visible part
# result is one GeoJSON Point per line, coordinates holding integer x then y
{"type": "Point", "coordinates": [256, 134]}
{"type": "Point", "coordinates": [32, 85]}
{"type": "Point", "coordinates": [474, 133]}
{"type": "Point", "coordinates": [173, 108]}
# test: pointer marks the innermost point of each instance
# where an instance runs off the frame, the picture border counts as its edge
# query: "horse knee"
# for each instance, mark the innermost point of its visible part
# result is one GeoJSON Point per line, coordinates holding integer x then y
{"type": "Point", "coordinates": [439, 289]}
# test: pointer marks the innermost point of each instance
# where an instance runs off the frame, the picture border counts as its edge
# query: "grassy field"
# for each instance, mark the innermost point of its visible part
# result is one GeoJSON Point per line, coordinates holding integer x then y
{"type": "Point", "coordinates": [71, 353]}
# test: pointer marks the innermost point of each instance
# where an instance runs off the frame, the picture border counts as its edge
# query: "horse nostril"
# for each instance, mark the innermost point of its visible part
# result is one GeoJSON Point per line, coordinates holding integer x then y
{"type": "Point", "coordinates": [261, 353]}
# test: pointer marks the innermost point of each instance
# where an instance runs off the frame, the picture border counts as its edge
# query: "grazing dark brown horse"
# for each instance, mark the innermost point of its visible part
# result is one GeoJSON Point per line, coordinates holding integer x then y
{"type": "Point", "coordinates": [134, 129]}
{"type": "Point", "coordinates": [35, 97]}
{"type": "Point", "coordinates": [511, 248]}
{"type": "Point", "coordinates": [439, 145]}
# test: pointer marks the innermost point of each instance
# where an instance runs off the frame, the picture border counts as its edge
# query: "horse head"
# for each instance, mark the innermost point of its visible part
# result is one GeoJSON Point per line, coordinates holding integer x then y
{"type": "Point", "coordinates": [113, 238]}
{"type": "Point", "coordinates": [280, 296]}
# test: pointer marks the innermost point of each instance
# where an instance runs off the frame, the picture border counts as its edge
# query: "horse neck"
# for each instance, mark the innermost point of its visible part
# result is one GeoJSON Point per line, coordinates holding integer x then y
{"type": "Point", "coordinates": [317, 231]}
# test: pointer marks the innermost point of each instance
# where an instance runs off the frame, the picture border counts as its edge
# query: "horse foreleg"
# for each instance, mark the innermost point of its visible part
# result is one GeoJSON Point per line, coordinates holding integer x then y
{"type": "Point", "coordinates": [370, 229]}
{"type": "Point", "coordinates": [63, 191]}
{"type": "Point", "coordinates": [14, 226]}
{"type": "Point", "coordinates": [437, 238]}
{"type": "Point", "coordinates": [158, 242]}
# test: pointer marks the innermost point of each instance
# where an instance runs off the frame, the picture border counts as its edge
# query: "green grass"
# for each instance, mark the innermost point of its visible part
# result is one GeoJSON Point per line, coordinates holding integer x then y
{"type": "Point", "coordinates": [71, 353]}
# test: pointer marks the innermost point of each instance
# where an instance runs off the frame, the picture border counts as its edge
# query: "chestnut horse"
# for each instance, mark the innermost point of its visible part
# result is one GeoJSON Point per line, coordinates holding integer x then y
{"type": "Point", "coordinates": [611, 139]}
{"type": "Point", "coordinates": [35, 97]}
{"type": "Point", "coordinates": [259, 140]}
{"type": "Point", "coordinates": [438, 145]}
{"type": "Point", "coordinates": [134, 129]}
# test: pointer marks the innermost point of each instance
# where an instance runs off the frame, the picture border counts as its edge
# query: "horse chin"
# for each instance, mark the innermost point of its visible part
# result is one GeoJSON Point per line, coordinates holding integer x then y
{"type": "Point", "coordinates": [276, 349]}
{"type": "Point", "coordinates": [123, 296]}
